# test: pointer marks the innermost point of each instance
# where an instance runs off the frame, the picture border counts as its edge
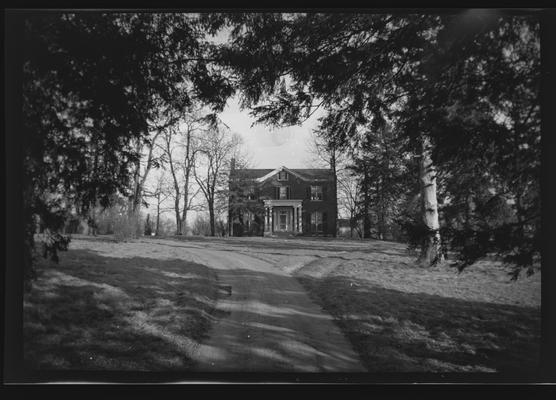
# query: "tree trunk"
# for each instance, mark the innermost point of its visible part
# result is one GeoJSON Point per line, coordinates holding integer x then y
{"type": "Point", "coordinates": [431, 252]}
{"type": "Point", "coordinates": [92, 221]}
{"type": "Point", "coordinates": [178, 219]}
{"type": "Point", "coordinates": [212, 219]}
{"type": "Point", "coordinates": [366, 219]}
{"type": "Point", "coordinates": [157, 232]}
{"type": "Point", "coordinates": [183, 222]}
{"type": "Point", "coordinates": [335, 188]}
{"type": "Point", "coordinates": [134, 199]}
{"type": "Point", "coordinates": [188, 160]}
{"type": "Point", "coordinates": [92, 212]}
{"type": "Point", "coordinates": [380, 210]}
{"type": "Point", "coordinates": [137, 198]}
{"type": "Point", "coordinates": [351, 223]}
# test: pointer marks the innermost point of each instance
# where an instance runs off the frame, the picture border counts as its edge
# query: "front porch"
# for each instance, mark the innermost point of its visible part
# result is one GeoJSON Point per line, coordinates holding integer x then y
{"type": "Point", "coordinates": [282, 217]}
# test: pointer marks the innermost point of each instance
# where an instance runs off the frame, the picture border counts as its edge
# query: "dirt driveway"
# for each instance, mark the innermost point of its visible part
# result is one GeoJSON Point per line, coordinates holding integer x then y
{"type": "Point", "coordinates": [268, 323]}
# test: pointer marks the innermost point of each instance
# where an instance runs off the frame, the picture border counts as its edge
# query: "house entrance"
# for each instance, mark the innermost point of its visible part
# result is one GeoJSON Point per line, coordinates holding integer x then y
{"type": "Point", "coordinates": [283, 220]}
{"type": "Point", "coordinates": [282, 217]}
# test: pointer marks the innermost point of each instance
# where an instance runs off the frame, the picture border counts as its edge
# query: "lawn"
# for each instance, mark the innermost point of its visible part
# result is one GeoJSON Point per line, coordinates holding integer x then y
{"type": "Point", "coordinates": [402, 318]}
{"type": "Point", "coordinates": [117, 306]}
{"type": "Point", "coordinates": [142, 306]}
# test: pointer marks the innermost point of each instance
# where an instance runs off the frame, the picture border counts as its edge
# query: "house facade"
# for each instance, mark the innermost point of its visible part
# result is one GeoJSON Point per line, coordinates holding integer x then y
{"type": "Point", "coordinates": [282, 202]}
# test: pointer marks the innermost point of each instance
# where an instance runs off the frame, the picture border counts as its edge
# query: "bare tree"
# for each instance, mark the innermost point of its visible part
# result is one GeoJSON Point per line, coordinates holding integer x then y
{"type": "Point", "coordinates": [216, 152]}
{"type": "Point", "coordinates": [149, 158]}
{"type": "Point", "coordinates": [180, 150]}
{"type": "Point", "coordinates": [160, 193]}
{"type": "Point", "coordinates": [194, 124]}
{"type": "Point", "coordinates": [348, 200]}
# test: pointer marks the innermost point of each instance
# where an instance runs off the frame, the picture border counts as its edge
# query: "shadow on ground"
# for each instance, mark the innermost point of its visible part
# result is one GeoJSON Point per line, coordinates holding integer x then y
{"type": "Point", "coordinates": [94, 312]}
{"type": "Point", "coordinates": [275, 327]}
{"type": "Point", "coordinates": [395, 331]}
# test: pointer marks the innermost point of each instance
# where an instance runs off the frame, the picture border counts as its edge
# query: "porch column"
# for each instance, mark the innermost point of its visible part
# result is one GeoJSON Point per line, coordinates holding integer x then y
{"type": "Point", "coordinates": [266, 219]}
{"type": "Point", "coordinates": [299, 224]}
{"type": "Point", "coordinates": [271, 220]}
{"type": "Point", "coordinates": [294, 219]}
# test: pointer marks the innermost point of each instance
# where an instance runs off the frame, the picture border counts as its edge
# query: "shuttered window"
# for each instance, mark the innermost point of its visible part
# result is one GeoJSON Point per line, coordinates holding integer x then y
{"type": "Point", "coordinates": [316, 193]}
{"type": "Point", "coordinates": [316, 221]}
{"type": "Point", "coordinates": [284, 193]}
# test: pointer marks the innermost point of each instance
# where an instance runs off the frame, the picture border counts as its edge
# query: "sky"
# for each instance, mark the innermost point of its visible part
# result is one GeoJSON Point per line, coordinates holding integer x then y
{"type": "Point", "coordinates": [270, 147]}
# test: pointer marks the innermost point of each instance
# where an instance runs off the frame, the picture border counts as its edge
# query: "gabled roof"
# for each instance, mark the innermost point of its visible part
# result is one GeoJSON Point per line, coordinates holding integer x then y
{"type": "Point", "coordinates": [306, 174]}
{"type": "Point", "coordinates": [251, 173]}
{"type": "Point", "coordinates": [315, 173]}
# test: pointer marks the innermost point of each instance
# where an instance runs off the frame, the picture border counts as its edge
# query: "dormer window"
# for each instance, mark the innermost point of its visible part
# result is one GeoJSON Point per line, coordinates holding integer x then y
{"type": "Point", "coordinates": [282, 176]}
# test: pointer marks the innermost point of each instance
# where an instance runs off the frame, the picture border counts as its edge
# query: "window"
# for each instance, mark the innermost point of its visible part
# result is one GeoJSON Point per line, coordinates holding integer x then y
{"type": "Point", "coordinates": [282, 176]}
{"type": "Point", "coordinates": [251, 193]}
{"type": "Point", "coordinates": [316, 192]}
{"type": "Point", "coordinates": [284, 192]}
{"type": "Point", "coordinates": [316, 221]}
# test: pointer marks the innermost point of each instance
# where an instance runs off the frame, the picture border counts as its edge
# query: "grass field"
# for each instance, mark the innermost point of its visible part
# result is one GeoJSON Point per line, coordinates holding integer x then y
{"type": "Point", "coordinates": [402, 318]}
{"type": "Point", "coordinates": [132, 310]}
{"type": "Point", "coordinates": [136, 306]}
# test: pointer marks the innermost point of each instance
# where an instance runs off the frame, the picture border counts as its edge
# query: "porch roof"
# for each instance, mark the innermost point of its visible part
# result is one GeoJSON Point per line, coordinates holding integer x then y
{"type": "Point", "coordinates": [283, 203]}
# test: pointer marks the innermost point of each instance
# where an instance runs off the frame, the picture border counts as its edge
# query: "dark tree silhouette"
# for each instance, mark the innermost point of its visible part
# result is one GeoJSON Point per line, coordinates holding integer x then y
{"type": "Point", "coordinates": [91, 83]}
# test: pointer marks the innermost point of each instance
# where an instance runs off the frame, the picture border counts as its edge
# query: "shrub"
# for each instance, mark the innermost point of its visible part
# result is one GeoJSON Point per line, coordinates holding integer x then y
{"type": "Point", "coordinates": [127, 226]}
{"type": "Point", "coordinates": [201, 226]}
{"type": "Point", "coordinates": [166, 227]}
{"type": "Point", "coordinates": [73, 225]}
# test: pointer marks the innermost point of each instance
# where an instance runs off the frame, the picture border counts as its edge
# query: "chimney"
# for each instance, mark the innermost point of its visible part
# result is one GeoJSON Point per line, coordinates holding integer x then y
{"type": "Point", "coordinates": [232, 164]}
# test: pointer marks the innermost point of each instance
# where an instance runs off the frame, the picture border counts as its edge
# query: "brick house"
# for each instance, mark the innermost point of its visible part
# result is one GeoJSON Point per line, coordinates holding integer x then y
{"type": "Point", "coordinates": [282, 202]}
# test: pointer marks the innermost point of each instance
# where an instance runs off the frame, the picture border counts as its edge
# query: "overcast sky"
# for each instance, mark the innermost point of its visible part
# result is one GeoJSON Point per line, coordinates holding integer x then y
{"type": "Point", "coordinates": [271, 147]}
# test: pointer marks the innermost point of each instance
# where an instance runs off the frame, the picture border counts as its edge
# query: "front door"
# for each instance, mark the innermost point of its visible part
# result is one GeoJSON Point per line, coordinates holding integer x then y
{"type": "Point", "coordinates": [283, 223]}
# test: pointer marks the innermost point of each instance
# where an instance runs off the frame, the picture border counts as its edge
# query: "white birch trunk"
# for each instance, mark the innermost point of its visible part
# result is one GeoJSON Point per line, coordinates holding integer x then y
{"type": "Point", "coordinates": [431, 251]}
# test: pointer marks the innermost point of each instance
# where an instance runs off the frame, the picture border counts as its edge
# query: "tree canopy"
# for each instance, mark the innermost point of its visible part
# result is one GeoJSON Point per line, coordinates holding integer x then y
{"type": "Point", "coordinates": [466, 83]}
{"type": "Point", "coordinates": [92, 84]}
{"type": "Point", "coordinates": [459, 92]}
